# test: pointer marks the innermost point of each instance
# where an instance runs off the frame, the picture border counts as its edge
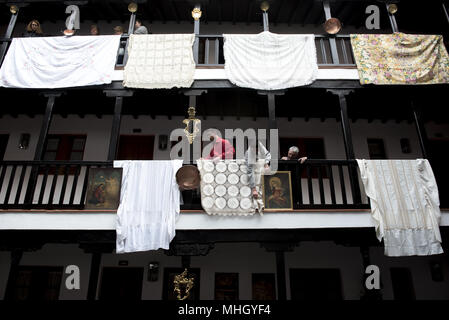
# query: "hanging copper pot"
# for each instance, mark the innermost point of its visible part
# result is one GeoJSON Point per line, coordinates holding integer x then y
{"type": "Point", "coordinates": [332, 26]}
{"type": "Point", "coordinates": [188, 177]}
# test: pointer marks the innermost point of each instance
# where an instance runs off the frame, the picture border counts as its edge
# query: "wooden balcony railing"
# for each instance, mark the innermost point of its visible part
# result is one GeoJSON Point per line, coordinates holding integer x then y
{"type": "Point", "coordinates": [62, 185]}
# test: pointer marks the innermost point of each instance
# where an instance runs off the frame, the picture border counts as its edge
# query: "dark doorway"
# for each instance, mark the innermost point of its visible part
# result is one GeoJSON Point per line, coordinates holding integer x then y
{"type": "Point", "coordinates": [315, 284]}
{"type": "Point", "coordinates": [3, 143]}
{"type": "Point", "coordinates": [121, 284]}
{"type": "Point", "coordinates": [37, 283]}
{"type": "Point", "coordinates": [401, 278]}
{"type": "Point", "coordinates": [438, 161]}
{"type": "Point", "coordinates": [135, 147]}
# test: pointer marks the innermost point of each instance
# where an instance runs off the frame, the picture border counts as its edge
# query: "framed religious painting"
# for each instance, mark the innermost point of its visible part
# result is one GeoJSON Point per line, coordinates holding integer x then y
{"type": "Point", "coordinates": [103, 188]}
{"type": "Point", "coordinates": [277, 191]}
{"type": "Point", "coordinates": [264, 287]}
{"type": "Point", "coordinates": [226, 286]}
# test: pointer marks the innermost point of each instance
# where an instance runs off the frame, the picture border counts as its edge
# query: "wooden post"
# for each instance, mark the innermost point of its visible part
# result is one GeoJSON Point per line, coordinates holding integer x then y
{"type": "Point", "coordinates": [419, 123]}
{"type": "Point", "coordinates": [393, 23]}
{"type": "Point", "coordinates": [16, 256]}
{"type": "Point", "coordinates": [349, 147]}
{"type": "Point", "coordinates": [116, 120]}
{"type": "Point", "coordinates": [332, 41]}
{"type": "Point", "coordinates": [9, 31]}
{"type": "Point", "coordinates": [196, 31]}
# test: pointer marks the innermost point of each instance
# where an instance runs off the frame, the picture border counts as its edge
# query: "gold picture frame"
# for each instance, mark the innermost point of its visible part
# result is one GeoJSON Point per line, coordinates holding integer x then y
{"type": "Point", "coordinates": [277, 191]}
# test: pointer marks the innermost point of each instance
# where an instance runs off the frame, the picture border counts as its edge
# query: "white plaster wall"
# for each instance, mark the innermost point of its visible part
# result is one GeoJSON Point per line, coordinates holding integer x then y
{"type": "Point", "coordinates": [245, 259]}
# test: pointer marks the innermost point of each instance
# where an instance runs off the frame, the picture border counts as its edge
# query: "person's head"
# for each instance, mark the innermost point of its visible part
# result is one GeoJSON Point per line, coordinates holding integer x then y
{"type": "Point", "coordinates": [118, 30]}
{"type": "Point", "coordinates": [34, 26]}
{"type": "Point", "coordinates": [293, 153]}
{"type": "Point", "coordinates": [94, 30]}
{"type": "Point", "coordinates": [138, 23]}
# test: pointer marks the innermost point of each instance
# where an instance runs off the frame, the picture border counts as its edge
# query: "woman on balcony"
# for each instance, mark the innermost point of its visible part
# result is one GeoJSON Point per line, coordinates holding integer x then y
{"type": "Point", "coordinates": [33, 29]}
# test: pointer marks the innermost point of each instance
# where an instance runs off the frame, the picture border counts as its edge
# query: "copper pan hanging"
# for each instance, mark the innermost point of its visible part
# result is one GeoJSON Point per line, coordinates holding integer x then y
{"type": "Point", "coordinates": [188, 177]}
{"type": "Point", "coordinates": [332, 26]}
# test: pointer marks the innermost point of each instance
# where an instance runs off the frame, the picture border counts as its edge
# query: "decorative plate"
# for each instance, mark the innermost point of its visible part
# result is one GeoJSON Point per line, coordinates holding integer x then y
{"type": "Point", "coordinates": [220, 178]}
{"type": "Point", "coordinates": [220, 190]}
{"type": "Point", "coordinates": [220, 203]}
{"type": "Point", "coordinates": [233, 191]}
{"type": "Point", "coordinates": [208, 178]}
{"type": "Point", "coordinates": [221, 167]}
{"type": "Point", "coordinates": [243, 168]}
{"type": "Point", "coordinates": [233, 178]}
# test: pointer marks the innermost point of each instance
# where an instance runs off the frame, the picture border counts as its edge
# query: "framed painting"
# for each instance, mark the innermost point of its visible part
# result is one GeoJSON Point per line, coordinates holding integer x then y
{"type": "Point", "coordinates": [226, 286]}
{"type": "Point", "coordinates": [103, 188]}
{"type": "Point", "coordinates": [277, 191]}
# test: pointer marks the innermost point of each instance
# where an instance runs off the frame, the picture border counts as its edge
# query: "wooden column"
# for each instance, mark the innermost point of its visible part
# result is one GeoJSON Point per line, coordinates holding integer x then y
{"type": "Point", "coordinates": [116, 120]}
{"type": "Point", "coordinates": [419, 123]}
{"type": "Point", "coordinates": [272, 122]}
{"type": "Point", "coordinates": [332, 41]}
{"type": "Point", "coordinates": [266, 24]}
{"type": "Point", "coordinates": [349, 146]}
{"type": "Point", "coordinates": [445, 12]}
{"type": "Point", "coordinates": [97, 250]}
{"type": "Point", "coordinates": [9, 31]}
{"type": "Point", "coordinates": [279, 248]}
{"type": "Point", "coordinates": [16, 256]}
{"type": "Point", "coordinates": [393, 23]}
{"type": "Point", "coordinates": [196, 31]}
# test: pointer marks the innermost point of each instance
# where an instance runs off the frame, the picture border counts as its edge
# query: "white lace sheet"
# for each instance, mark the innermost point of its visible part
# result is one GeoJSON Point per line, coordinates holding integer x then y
{"type": "Point", "coordinates": [269, 61]}
{"type": "Point", "coordinates": [149, 205]}
{"type": "Point", "coordinates": [225, 187]}
{"type": "Point", "coordinates": [59, 62]}
{"type": "Point", "coordinates": [404, 205]}
{"type": "Point", "coordinates": [159, 61]}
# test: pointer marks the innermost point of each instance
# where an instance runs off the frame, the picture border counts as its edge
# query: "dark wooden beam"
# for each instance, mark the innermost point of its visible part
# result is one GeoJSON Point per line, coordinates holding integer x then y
{"type": "Point", "coordinates": [293, 12]}
{"type": "Point", "coordinates": [305, 11]}
{"type": "Point", "coordinates": [278, 12]}
{"type": "Point", "coordinates": [174, 11]}
{"type": "Point", "coordinates": [249, 10]}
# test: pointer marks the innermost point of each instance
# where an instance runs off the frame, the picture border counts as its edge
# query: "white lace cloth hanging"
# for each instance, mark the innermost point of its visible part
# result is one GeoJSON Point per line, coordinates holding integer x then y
{"type": "Point", "coordinates": [158, 61]}
{"type": "Point", "coordinates": [269, 61]}
{"type": "Point", "coordinates": [225, 187]}
{"type": "Point", "coordinates": [404, 205]}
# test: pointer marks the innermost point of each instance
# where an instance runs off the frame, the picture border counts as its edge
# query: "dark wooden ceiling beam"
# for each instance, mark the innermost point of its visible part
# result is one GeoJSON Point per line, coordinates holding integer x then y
{"type": "Point", "coordinates": [174, 11]}
{"type": "Point", "coordinates": [305, 10]}
{"type": "Point", "coordinates": [278, 13]}
{"type": "Point", "coordinates": [249, 10]}
{"type": "Point", "coordinates": [292, 15]}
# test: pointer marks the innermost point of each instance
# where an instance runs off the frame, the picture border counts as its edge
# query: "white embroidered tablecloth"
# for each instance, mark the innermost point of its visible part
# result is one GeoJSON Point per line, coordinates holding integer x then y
{"type": "Point", "coordinates": [269, 61]}
{"type": "Point", "coordinates": [59, 62]}
{"type": "Point", "coordinates": [225, 187]}
{"type": "Point", "coordinates": [159, 61]}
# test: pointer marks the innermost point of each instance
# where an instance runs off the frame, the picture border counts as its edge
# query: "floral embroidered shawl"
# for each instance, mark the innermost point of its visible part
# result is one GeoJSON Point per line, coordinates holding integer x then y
{"type": "Point", "coordinates": [400, 58]}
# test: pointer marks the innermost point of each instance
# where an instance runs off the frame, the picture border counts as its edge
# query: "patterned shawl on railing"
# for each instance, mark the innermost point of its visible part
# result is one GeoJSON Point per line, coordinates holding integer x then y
{"type": "Point", "coordinates": [400, 58]}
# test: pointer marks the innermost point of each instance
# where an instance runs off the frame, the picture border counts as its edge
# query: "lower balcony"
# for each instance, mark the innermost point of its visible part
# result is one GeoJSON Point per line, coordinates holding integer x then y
{"type": "Point", "coordinates": [62, 185]}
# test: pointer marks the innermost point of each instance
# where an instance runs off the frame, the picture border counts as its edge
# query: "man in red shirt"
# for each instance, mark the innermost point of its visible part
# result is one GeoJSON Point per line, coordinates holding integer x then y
{"type": "Point", "coordinates": [222, 149]}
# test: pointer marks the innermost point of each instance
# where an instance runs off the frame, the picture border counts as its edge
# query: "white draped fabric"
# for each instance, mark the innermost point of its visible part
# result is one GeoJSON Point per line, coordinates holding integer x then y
{"type": "Point", "coordinates": [159, 61]}
{"type": "Point", "coordinates": [149, 205]}
{"type": "Point", "coordinates": [269, 61]}
{"type": "Point", "coordinates": [59, 62]}
{"type": "Point", "coordinates": [404, 205]}
{"type": "Point", "coordinates": [225, 187]}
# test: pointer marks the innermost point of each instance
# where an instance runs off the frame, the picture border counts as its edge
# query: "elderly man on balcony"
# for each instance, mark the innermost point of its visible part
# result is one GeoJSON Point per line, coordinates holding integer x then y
{"type": "Point", "coordinates": [293, 154]}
